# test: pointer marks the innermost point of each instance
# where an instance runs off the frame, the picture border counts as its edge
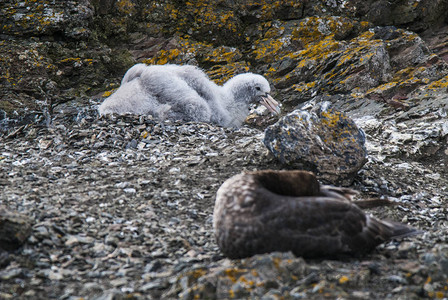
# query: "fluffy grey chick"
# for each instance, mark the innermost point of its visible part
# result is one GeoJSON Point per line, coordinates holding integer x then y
{"type": "Point", "coordinates": [186, 93]}
{"type": "Point", "coordinates": [265, 211]}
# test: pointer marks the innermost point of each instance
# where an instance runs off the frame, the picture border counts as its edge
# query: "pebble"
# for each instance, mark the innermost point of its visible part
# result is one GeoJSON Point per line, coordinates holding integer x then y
{"type": "Point", "coordinates": [10, 273]}
{"type": "Point", "coordinates": [119, 282]}
{"type": "Point", "coordinates": [130, 190]}
{"type": "Point", "coordinates": [55, 275]}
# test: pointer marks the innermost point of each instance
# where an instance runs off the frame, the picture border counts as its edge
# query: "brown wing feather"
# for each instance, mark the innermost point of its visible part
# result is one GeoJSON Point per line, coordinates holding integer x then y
{"type": "Point", "coordinates": [316, 227]}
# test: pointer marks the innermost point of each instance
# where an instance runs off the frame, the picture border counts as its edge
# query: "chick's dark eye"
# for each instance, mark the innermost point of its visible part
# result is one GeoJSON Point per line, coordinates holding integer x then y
{"type": "Point", "coordinates": [257, 88]}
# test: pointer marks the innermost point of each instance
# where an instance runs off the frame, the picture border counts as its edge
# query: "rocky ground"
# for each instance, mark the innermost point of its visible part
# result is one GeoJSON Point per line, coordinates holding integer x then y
{"type": "Point", "coordinates": [122, 207]}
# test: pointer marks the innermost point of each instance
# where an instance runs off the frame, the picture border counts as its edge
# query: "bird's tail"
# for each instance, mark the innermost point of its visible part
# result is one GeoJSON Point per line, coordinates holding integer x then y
{"type": "Point", "coordinates": [380, 231]}
{"type": "Point", "coordinates": [374, 202]}
{"type": "Point", "coordinates": [398, 230]}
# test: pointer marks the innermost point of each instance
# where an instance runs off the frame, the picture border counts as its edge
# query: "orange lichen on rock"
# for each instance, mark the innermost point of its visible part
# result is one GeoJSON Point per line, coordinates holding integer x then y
{"type": "Point", "coordinates": [125, 7]}
{"type": "Point", "coordinates": [439, 84]}
{"type": "Point", "coordinates": [221, 73]}
{"type": "Point", "coordinates": [223, 62]}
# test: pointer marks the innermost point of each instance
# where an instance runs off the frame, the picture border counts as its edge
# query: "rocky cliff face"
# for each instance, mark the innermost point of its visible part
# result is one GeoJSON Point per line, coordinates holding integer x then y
{"type": "Point", "coordinates": [57, 51]}
{"type": "Point", "coordinates": [121, 206]}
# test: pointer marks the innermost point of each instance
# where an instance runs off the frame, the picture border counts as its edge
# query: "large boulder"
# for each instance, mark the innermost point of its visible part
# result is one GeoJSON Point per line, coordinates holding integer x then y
{"type": "Point", "coordinates": [321, 140]}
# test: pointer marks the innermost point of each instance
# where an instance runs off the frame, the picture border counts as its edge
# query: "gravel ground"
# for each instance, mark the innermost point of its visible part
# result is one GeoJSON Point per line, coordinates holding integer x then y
{"type": "Point", "coordinates": [122, 207]}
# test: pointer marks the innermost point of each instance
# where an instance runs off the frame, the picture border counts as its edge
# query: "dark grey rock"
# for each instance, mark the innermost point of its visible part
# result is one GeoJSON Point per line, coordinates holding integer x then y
{"type": "Point", "coordinates": [254, 277]}
{"type": "Point", "coordinates": [10, 273]}
{"type": "Point", "coordinates": [321, 140]}
{"type": "Point", "coordinates": [15, 229]}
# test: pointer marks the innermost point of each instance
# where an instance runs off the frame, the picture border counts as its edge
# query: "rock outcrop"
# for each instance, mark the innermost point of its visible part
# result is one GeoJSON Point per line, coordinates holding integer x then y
{"type": "Point", "coordinates": [55, 52]}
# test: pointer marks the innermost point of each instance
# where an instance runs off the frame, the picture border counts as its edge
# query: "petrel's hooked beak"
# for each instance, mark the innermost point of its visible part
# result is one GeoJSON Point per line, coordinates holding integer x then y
{"type": "Point", "coordinates": [270, 104]}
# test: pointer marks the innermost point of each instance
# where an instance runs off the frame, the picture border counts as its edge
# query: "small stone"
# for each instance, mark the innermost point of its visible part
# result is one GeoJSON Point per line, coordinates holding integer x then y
{"type": "Point", "coordinates": [110, 295]}
{"type": "Point", "coordinates": [98, 145]}
{"type": "Point", "coordinates": [429, 258]}
{"type": "Point", "coordinates": [411, 267]}
{"type": "Point", "coordinates": [85, 239]}
{"type": "Point", "coordinates": [397, 279]}
{"type": "Point", "coordinates": [71, 240]}
{"type": "Point", "coordinates": [400, 138]}
{"type": "Point", "coordinates": [10, 273]}
{"type": "Point", "coordinates": [361, 295]}
{"type": "Point", "coordinates": [41, 231]}
{"type": "Point", "coordinates": [141, 145]}
{"type": "Point", "coordinates": [404, 248]}
{"type": "Point", "coordinates": [122, 185]}
{"type": "Point", "coordinates": [428, 287]}
{"type": "Point", "coordinates": [155, 284]}
{"type": "Point", "coordinates": [55, 275]}
{"type": "Point", "coordinates": [44, 144]}
{"type": "Point", "coordinates": [29, 293]}
{"type": "Point", "coordinates": [111, 240]}
{"type": "Point", "coordinates": [319, 287]}
{"type": "Point", "coordinates": [174, 170]}
{"type": "Point", "coordinates": [6, 296]}
{"type": "Point", "coordinates": [132, 144]}
{"type": "Point", "coordinates": [119, 281]}
{"type": "Point", "coordinates": [130, 190]}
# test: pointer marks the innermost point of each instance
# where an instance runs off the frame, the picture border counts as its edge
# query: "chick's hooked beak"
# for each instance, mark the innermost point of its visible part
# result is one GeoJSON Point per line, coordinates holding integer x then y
{"type": "Point", "coordinates": [270, 104]}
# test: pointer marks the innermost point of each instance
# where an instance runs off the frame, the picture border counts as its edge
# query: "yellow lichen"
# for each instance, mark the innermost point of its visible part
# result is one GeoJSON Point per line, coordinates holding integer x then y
{"type": "Point", "coordinates": [331, 118]}
{"type": "Point", "coordinates": [232, 273]}
{"type": "Point", "coordinates": [221, 73]}
{"type": "Point", "coordinates": [439, 84]}
{"type": "Point", "coordinates": [125, 7]}
{"type": "Point", "coordinates": [343, 279]}
{"type": "Point", "coordinates": [39, 16]}
{"type": "Point", "coordinates": [107, 93]}
{"type": "Point", "coordinates": [144, 134]}
{"type": "Point", "coordinates": [303, 87]}
{"type": "Point", "coordinates": [198, 273]}
{"type": "Point", "coordinates": [383, 87]}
